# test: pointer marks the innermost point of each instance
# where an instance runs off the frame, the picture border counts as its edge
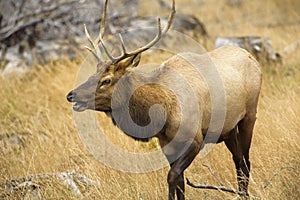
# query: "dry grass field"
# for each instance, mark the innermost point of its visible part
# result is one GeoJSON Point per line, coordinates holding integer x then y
{"type": "Point", "coordinates": [38, 134]}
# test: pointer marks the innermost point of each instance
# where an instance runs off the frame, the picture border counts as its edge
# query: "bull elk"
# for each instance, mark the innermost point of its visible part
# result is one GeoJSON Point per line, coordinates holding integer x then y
{"type": "Point", "coordinates": [241, 77]}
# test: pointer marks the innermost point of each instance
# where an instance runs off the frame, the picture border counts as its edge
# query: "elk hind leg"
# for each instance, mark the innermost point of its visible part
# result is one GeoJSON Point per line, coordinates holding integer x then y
{"type": "Point", "coordinates": [234, 145]}
{"type": "Point", "coordinates": [245, 128]}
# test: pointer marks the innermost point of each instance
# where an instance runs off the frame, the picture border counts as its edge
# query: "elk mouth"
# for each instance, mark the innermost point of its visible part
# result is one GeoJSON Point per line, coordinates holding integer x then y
{"type": "Point", "coordinates": [80, 106]}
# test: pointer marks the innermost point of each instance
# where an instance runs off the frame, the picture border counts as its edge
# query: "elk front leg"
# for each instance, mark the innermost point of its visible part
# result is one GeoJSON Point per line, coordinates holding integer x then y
{"type": "Point", "coordinates": [176, 183]}
{"type": "Point", "coordinates": [176, 176]}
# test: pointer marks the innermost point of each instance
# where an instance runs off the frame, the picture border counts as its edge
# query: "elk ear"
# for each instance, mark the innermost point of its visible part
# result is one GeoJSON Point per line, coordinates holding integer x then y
{"type": "Point", "coordinates": [129, 62]}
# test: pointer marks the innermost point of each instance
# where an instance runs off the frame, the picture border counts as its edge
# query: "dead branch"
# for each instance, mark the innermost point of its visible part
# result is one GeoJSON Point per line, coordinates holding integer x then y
{"type": "Point", "coordinates": [219, 188]}
{"type": "Point", "coordinates": [212, 187]}
{"type": "Point", "coordinates": [38, 16]}
{"type": "Point", "coordinates": [43, 10]}
{"type": "Point", "coordinates": [20, 27]}
{"type": "Point", "coordinates": [213, 173]}
{"type": "Point", "coordinates": [19, 10]}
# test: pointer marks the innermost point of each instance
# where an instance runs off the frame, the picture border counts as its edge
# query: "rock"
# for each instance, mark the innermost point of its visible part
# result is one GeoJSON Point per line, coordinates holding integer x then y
{"type": "Point", "coordinates": [11, 143]}
{"type": "Point", "coordinates": [31, 186]}
{"type": "Point", "coordinates": [260, 47]}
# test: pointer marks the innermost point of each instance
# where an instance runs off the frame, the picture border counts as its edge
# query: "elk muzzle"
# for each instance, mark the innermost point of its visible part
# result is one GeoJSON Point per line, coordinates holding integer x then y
{"type": "Point", "coordinates": [78, 106]}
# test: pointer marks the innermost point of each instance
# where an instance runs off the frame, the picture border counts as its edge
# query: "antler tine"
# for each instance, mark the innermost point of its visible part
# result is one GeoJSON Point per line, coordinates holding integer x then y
{"type": "Point", "coordinates": [102, 31]}
{"type": "Point", "coordinates": [92, 43]}
{"type": "Point", "coordinates": [170, 19]}
{"type": "Point", "coordinates": [147, 46]}
{"type": "Point", "coordinates": [150, 44]}
{"type": "Point", "coordinates": [106, 51]}
{"type": "Point", "coordinates": [93, 52]}
{"type": "Point", "coordinates": [103, 20]}
{"type": "Point", "coordinates": [88, 36]}
{"type": "Point", "coordinates": [122, 44]}
{"type": "Point", "coordinates": [123, 55]}
{"type": "Point", "coordinates": [139, 50]}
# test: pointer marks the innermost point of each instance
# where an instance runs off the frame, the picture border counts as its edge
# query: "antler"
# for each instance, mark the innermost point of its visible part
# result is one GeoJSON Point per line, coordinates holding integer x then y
{"type": "Point", "coordinates": [96, 52]}
{"type": "Point", "coordinates": [147, 46]}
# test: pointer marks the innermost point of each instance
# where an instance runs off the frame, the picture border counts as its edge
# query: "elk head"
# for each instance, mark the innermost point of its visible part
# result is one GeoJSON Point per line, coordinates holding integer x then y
{"type": "Point", "coordinates": [96, 92]}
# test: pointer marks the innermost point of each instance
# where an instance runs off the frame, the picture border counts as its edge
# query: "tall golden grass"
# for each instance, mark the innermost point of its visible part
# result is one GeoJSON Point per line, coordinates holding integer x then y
{"type": "Point", "coordinates": [38, 134]}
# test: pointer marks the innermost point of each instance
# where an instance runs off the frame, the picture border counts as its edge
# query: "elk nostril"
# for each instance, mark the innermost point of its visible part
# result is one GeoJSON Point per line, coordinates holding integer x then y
{"type": "Point", "coordinates": [71, 96]}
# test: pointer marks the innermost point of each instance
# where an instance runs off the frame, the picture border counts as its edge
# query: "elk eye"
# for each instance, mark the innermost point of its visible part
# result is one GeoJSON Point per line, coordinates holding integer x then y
{"type": "Point", "coordinates": [105, 82]}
